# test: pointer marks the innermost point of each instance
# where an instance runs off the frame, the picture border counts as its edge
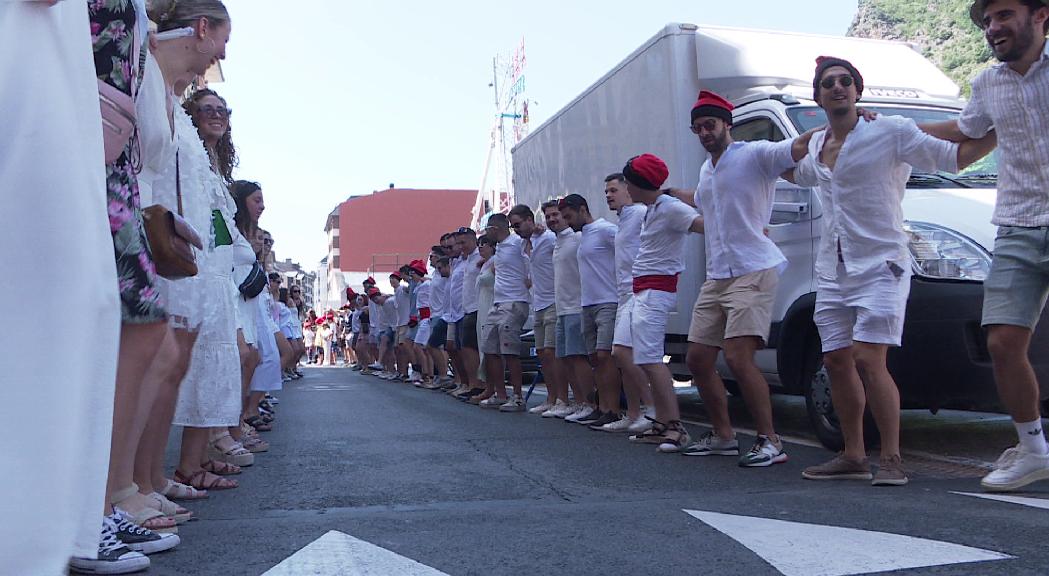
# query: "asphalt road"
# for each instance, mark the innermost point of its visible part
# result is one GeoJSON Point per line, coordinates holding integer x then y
{"type": "Point", "coordinates": [412, 475]}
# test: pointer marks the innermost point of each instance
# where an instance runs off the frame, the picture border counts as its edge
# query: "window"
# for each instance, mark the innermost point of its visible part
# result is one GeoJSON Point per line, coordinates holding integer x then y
{"type": "Point", "coordinates": [760, 128]}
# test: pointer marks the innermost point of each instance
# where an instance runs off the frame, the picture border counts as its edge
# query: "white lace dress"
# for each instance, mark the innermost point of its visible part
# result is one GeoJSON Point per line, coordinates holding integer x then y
{"type": "Point", "coordinates": [60, 284]}
{"type": "Point", "coordinates": [184, 298]}
{"type": "Point", "coordinates": [243, 261]}
{"type": "Point", "coordinates": [210, 394]}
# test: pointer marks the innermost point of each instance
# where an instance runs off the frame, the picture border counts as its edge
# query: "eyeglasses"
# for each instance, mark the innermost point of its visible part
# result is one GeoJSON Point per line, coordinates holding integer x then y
{"type": "Point", "coordinates": [215, 111]}
{"type": "Point", "coordinates": [268, 241]}
{"type": "Point", "coordinates": [709, 126]}
{"type": "Point", "coordinates": [845, 80]}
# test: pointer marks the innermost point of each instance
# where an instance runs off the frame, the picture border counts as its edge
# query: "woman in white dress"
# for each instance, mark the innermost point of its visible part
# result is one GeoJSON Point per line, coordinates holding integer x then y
{"type": "Point", "coordinates": [65, 415]}
{"type": "Point", "coordinates": [209, 396]}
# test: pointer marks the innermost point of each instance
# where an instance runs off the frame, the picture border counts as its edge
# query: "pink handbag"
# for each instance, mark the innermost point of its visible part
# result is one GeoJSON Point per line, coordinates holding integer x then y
{"type": "Point", "coordinates": [118, 120]}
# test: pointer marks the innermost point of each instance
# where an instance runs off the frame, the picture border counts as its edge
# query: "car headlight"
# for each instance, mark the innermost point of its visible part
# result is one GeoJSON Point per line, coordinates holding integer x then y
{"type": "Point", "coordinates": [938, 252]}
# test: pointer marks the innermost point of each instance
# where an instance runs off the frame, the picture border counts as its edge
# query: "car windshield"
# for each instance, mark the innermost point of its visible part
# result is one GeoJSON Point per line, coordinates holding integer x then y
{"type": "Point", "coordinates": [981, 174]}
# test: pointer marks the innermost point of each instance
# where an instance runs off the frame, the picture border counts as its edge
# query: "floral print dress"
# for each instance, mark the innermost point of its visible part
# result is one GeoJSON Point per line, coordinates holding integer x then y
{"type": "Point", "coordinates": [116, 46]}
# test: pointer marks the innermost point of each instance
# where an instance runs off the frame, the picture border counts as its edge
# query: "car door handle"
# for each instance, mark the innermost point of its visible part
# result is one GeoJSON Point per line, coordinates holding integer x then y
{"type": "Point", "coordinates": [791, 207]}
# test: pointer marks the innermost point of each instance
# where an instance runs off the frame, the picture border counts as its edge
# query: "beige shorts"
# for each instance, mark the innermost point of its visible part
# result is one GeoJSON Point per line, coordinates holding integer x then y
{"type": "Point", "coordinates": [545, 327]}
{"type": "Point", "coordinates": [402, 334]}
{"type": "Point", "coordinates": [734, 307]}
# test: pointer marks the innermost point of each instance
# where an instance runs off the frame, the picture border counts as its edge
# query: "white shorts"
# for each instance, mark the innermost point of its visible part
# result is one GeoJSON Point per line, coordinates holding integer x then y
{"type": "Point", "coordinates": [648, 313]}
{"type": "Point", "coordinates": [867, 307]}
{"type": "Point", "coordinates": [621, 335]}
{"type": "Point", "coordinates": [422, 335]}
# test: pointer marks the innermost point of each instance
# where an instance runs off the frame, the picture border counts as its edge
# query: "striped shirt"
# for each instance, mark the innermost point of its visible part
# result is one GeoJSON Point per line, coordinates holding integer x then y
{"type": "Point", "coordinates": [1018, 109]}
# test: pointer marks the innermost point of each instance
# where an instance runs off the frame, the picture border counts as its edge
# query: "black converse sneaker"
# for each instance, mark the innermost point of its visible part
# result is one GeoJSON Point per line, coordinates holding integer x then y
{"type": "Point", "coordinates": [141, 539]}
{"type": "Point", "coordinates": [113, 556]}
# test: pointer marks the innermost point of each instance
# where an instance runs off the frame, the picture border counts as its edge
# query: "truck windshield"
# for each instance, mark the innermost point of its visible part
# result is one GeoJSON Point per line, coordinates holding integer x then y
{"type": "Point", "coordinates": [981, 174]}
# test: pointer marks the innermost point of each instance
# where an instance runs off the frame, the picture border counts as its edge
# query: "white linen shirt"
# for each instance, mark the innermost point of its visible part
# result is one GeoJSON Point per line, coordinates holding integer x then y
{"type": "Point", "coordinates": [663, 230]}
{"type": "Point", "coordinates": [567, 291]}
{"type": "Point", "coordinates": [471, 269]}
{"type": "Point", "coordinates": [735, 197]}
{"type": "Point", "coordinates": [861, 197]}
{"type": "Point", "coordinates": [438, 296]}
{"type": "Point", "coordinates": [541, 264]}
{"type": "Point", "coordinates": [628, 240]}
{"type": "Point", "coordinates": [453, 310]}
{"type": "Point", "coordinates": [388, 313]}
{"type": "Point", "coordinates": [511, 271]}
{"type": "Point", "coordinates": [422, 294]}
{"type": "Point", "coordinates": [402, 299]}
{"type": "Point", "coordinates": [1018, 109]}
{"type": "Point", "coordinates": [597, 263]}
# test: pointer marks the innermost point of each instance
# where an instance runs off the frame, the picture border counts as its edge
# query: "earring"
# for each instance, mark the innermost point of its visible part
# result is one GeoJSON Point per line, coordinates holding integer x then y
{"type": "Point", "coordinates": [208, 51]}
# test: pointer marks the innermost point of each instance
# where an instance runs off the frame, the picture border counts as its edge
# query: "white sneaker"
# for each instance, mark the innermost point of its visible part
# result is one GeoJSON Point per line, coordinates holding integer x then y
{"type": "Point", "coordinates": [559, 410]}
{"type": "Point", "coordinates": [375, 366]}
{"type": "Point", "coordinates": [114, 557]}
{"type": "Point", "coordinates": [638, 426]}
{"type": "Point", "coordinates": [541, 408]}
{"type": "Point", "coordinates": [621, 425]}
{"type": "Point", "coordinates": [514, 404]}
{"type": "Point", "coordinates": [493, 402]}
{"type": "Point", "coordinates": [584, 411]}
{"type": "Point", "coordinates": [1015, 469]}
{"type": "Point", "coordinates": [416, 377]}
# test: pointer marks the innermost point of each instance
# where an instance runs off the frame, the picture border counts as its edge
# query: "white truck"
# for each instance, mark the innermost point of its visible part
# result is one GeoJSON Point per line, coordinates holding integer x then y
{"type": "Point", "coordinates": [643, 105]}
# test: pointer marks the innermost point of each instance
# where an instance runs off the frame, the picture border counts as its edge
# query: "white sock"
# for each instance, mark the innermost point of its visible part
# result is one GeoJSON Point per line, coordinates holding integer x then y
{"type": "Point", "coordinates": [1031, 437]}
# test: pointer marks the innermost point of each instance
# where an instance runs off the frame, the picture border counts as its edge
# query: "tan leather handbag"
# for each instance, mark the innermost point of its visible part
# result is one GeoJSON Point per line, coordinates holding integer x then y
{"type": "Point", "coordinates": [171, 238]}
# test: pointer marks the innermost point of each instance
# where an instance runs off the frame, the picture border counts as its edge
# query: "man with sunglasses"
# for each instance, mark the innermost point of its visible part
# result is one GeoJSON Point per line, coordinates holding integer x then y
{"type": "Point", "coordinates": [502, 332]}
{"type": "Point", "coordinates": [733, 312]}
{"type": "Point", "coordinates": [863, 263]}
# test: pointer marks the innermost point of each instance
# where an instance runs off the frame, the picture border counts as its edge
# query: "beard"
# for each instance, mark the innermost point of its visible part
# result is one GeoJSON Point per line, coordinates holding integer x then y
{"type": "Point", "coordinates": [1023, 39]}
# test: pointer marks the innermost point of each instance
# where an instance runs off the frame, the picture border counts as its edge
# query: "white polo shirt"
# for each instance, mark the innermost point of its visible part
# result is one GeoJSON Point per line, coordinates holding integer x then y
{"type": "Point", "coordinates": [628, 240]}
{"type": "Point", "coordinates": [471, 269]}
{"type": "Point", "coordinates": [567, 290]}
{"type": "Point", "coordinates": [663, 230]}
{"type": "Point", "coordinates": [511, 271]}
{"type": "Point", "coordinates": [862, 196]}
{"type": "Point", "coordinates": [438, 296]}
{"type": "Point", "coordinates": [402, 300]}
{"type": "Point", "coordinates": [388, 313]}
{"type": "Point", "coordinates": [541, 263]}
{"type": "Point", "coordinates": [735, 197]}
{"type": "Point", "coordinates": [453, 311]}
{"type": "Point", "coordinates": [597, 263]}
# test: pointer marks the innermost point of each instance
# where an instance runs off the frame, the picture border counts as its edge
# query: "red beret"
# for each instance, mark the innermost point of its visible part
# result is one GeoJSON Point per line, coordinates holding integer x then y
{"type": "Point", "coordinates": [396, 275]}
{"type": "Point", "coordinates": [646, 171]}
{"type": "Point", "coordinates": [419, 268]}
{"type": "Point", "coordinates": [373, 291]}
{"type": "Point", "coordinates": [369, 280]}
{"type": "Point", "coordinates": [711, 104]}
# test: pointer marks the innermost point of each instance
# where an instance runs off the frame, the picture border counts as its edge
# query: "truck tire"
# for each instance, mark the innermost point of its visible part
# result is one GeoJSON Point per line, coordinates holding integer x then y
{"type": "Point", "coordinates": [820, 407]}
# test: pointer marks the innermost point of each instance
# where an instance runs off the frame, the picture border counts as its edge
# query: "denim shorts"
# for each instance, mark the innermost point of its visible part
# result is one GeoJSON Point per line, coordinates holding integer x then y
{"type": "Point", "coordinates": [570, 336]}
{"type": "Point", "coordinates": [1015, 290]}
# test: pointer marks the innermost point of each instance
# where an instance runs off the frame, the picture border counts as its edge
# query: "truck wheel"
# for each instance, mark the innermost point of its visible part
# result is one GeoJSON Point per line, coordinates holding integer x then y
{"type": "Point", "coordinates": [820, 407]}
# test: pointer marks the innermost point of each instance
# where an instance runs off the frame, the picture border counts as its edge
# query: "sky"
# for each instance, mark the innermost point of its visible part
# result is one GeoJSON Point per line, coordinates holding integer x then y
{"type": "Point", "coordinates": [338, 98]}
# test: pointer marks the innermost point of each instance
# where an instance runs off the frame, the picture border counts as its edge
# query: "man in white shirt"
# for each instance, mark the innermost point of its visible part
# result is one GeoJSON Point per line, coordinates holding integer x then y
{"type": "Point", "coordinates": [402, 302]}
{"type": "Point", "coordinates": [453, 312]}
{"type": "Point", "coordinates": [599, 299]}
{"type": "Point", "coordinates": [373, 326]}
{"type": "Point", "coordinates": [628, 240]}
{"type": "Point", "coordinates": [660, 259]}
{"type": "Point", "coordinates": [863, 263]}
{"type": "Point", "coordinates": [422, 298]}
{"type": "Point", "coordinates": [501, 334]}
{"type": "Point", "coordinates": [733, 312]}
{"type": "Point", "coordinates": [438, 327]}
{"type": "Point", "coordinates": [469, 269]}
{"type": "Point", "coordinates": [387, 329]}
{"type": "Point", "coordinates": [1013, 98]}
{"type": "Point", "coordinates": [538, 247]}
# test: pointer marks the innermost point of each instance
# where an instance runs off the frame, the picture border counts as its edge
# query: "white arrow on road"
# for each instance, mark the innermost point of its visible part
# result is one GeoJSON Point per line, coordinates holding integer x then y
{"type": "Point", "coordinates": [797, 549]}
{"type": "Point", "coordinates": [1042, 503]}
{"type": "Point", "coordinates": [338, 554]}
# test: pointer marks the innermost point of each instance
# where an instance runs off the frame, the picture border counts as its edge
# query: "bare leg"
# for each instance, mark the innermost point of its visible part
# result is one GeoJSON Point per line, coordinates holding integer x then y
{"type": "Point", "coordinates": [249, 361]}
{"type": "Point", "coordinates": [470, 361]}
{"type": "Point", "coordinates": [582, 377]}
{"type": "Point", "coordinates": [496, 374]}
{"type": "Point", "coordinates": [663, 395]}
{"type": "Point", "coordinates": [139, 344]}
{"type": "Point", "coordinates": [149, 465]}
{"type": "Point", "coordinates": [1017, 384]}
{"type": "Point", "coordinates": [635, 382]}
{"type": "Point", "coordinates": [553, 374]}
{"type": "Point", "coordinates": [701, 359]}
{"type": "Point", "coordinates": [609, 384]}
{"type": "Point", "coordinates": [739, 353]}
{"type": "Point", "coordinates": [849, 399]}
{"type": "Point", "coordinates": [513, 364]}
{"type": "Point", "coordinates": [882, 394]}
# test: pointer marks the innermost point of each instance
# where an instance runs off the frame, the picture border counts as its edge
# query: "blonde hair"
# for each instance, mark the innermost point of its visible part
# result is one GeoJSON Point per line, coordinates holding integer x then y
{"type": "Point", "coordinates": [171, 14]}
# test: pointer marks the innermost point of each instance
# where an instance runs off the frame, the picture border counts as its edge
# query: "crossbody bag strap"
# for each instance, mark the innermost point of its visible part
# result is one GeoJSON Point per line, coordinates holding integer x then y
{"type": "Point", "coordinates": [178, 185]}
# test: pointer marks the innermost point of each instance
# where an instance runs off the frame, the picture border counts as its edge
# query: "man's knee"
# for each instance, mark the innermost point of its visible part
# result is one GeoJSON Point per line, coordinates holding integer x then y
{"type": "Point", "coordinates": [1007, 343]}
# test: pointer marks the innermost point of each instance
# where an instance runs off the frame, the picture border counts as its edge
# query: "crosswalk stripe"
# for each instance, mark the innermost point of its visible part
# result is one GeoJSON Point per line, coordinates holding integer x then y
{"type": "Point", "coordinates": [797, 549]}
{"type": "Point", "coordinates": [1042, 503]}
{"type": "Point", "coordinates": [339, 554]}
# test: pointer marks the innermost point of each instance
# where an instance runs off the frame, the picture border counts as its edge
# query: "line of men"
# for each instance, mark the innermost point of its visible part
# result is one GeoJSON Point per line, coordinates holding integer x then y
{"type": "Point", "coordinates": [601, 293]}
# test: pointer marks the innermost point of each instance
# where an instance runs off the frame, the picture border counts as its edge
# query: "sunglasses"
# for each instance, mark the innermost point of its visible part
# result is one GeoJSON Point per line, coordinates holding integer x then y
{"type": "Point", "coordinates": [845, 80]}
{"type": "Point", "coordinates": [268, 241]}
{"type": "Point", "coordinates": [215, 111]}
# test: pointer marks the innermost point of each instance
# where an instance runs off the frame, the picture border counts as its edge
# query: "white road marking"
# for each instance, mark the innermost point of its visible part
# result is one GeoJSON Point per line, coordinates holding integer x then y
{"type": "Point", "coordinates": [1042, 503]}
{"type": "Point", "coordinates": [338, 554]}
{"type": "Point", "coordinates": [797, 549]}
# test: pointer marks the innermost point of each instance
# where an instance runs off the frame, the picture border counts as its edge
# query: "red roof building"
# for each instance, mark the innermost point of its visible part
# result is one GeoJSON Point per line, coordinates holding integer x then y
{"type": "Point", "coordinates": [389, 228]}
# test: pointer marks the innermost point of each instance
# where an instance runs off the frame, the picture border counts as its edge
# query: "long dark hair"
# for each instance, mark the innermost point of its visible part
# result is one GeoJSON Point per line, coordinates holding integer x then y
{"type": "Point", "coordinates": [226, 154]}
{"type": "Point", "coordinates": [241, 189]}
